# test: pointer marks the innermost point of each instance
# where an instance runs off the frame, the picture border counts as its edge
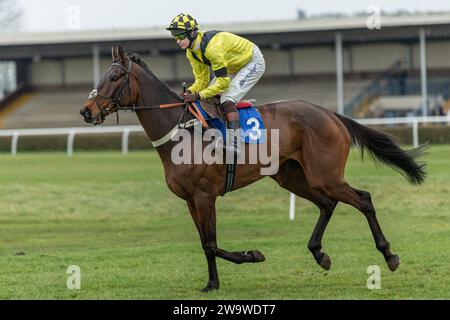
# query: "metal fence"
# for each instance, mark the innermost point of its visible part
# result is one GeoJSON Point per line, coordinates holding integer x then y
{"type": "Point", "coordinates": [15, 134]}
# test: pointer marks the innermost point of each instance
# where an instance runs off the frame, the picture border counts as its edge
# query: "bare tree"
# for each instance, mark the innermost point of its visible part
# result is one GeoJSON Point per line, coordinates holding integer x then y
{"type": "Point", "coordinates": [10, 15]}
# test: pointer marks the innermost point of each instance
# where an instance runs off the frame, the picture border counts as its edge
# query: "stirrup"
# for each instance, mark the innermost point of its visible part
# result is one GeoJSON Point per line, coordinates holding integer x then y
{"type": "Point", "coordinates": [233, 141]}
{"type": "Point", "coordinates": [219, 147]}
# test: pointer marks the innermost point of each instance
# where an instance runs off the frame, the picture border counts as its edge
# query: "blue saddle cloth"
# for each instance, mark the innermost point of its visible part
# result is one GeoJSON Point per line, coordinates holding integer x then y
{"type": "Point", "coordinates": [252, 126]}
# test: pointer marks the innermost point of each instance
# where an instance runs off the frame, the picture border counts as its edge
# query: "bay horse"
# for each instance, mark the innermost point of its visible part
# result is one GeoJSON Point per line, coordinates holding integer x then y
{"type": "Point", "coordinates": [313, 150]}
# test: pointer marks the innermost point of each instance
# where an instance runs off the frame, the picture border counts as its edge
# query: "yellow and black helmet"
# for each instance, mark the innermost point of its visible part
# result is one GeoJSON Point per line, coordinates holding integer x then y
{"type": "Point", "coordinates": [183, 23]}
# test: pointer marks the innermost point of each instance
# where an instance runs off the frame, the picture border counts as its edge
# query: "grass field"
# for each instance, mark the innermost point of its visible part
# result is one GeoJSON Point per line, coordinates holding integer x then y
{"type": "Point", "coordinates": [114, 217]}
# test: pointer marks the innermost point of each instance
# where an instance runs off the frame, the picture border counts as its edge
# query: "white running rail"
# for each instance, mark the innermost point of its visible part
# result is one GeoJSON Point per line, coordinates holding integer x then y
{"type": "Point", "coordinates": [71, 133]}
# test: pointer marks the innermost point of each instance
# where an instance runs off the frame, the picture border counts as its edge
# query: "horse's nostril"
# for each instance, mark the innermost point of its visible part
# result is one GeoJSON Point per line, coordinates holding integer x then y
{"type": "Point", "coordinates": [85, 113]}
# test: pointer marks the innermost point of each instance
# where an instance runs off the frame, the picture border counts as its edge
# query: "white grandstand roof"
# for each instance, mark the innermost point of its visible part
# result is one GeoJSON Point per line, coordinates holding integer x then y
{"type": "Point", "coordinates": [318, 24]}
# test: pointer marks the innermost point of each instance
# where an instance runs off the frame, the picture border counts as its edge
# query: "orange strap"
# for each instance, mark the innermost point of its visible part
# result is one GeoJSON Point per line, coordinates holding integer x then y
{"type": "Point", "coordinates": [171, 105]}
{"type": "Point", "coordinates": [192, 109]}
{"type": "Point", "coordinates": [196, 113]}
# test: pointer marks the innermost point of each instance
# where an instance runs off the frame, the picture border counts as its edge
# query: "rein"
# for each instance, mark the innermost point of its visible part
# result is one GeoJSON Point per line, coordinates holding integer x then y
{"type": "Point", "coordinates": [134, 108]}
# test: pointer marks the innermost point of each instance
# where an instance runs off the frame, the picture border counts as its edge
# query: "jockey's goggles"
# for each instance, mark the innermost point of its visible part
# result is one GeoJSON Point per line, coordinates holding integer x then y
{"type": "Point", "coordinates": [179, 35]}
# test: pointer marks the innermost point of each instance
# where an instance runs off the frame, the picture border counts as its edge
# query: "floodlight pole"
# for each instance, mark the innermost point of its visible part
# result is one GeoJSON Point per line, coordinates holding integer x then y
{"type": "Point", "coordinates": [339, 74]}
{"type": "Point", "coordinates": [96, 63]}
{"type": "Point", "coordinates": [423, 71]}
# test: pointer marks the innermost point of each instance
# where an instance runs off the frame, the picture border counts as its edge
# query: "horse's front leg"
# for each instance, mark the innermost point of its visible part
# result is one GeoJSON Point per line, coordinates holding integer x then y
{"type": "Point", "coordinates": [203, 212]}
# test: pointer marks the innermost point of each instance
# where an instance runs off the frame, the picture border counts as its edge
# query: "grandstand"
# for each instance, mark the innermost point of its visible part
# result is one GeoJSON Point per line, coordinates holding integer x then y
{"type": "Point", "coordinates": [306, 59]}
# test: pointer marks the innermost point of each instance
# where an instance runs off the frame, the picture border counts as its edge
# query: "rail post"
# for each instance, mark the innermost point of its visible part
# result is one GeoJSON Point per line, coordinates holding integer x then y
{"type": "Point", "coordinates": [125, 139]}
{"type": "Point", "coordinates": [292, 208]}
{"type": "Point", "coordinates": [70, 140]}
{"type": "Point", "coordinates": [415, 128]}
{"type": "Point", "coordinates": [14, 141]}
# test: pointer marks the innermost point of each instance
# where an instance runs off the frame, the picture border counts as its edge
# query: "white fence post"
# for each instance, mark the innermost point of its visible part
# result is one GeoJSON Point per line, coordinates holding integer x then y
{"type": "Point", "coordinates": [70, 140]}
{"type": "Point", "coordinates": [292, 207]}
{"type": "Point", "coordinates": [125, 139]}
{"type": "Point", "coordinates": [14, 141]}
{"type": "Point", "coordinates": [415, 127]}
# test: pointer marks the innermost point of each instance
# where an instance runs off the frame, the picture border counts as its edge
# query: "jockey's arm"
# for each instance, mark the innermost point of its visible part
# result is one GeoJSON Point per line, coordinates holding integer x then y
{"type": "Point", "coordinates": [218, 65]}
{"type": "Point", "coordinates": [201, 74]}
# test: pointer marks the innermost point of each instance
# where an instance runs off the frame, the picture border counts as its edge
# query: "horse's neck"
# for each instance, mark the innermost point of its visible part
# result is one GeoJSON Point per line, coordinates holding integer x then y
{"type": "Point", "coordinates": [157, 122]}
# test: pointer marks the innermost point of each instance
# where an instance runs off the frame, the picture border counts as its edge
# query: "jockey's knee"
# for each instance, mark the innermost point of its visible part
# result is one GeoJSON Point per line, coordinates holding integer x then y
{"type": "Point", "coordinates": [232, 116]}
{"type": "Point", "coordinates": [231, 112]}
{"type": "Point", "coordinates": [229, 107]}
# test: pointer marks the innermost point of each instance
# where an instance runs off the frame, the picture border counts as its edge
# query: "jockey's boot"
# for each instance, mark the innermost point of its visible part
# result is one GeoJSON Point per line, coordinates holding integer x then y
{"type": "Point", "coordinates": [233, 137]}
{"type": "Point", "coordinates": [233, 143]}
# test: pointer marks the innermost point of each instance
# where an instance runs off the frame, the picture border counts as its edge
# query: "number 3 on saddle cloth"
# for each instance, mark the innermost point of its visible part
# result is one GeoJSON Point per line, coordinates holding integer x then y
{"type": "Point", "coordinates": [252, 126]}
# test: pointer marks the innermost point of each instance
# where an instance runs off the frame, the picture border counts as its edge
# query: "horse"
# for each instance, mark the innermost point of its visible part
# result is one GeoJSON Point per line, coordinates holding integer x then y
{"type": "Point", "coordinates": [314, 146]}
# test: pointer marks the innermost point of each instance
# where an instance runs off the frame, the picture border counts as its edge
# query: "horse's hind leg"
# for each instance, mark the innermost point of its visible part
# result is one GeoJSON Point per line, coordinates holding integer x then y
{"type": "Point", "coordinates": [323, 161]}
{"type": "Point", "coordinates": [363, 202]}
{"type": "Point", "coordinates": [291, 177]}
{"type": "Point", "coordinates": [382, 244]}
{"type": "Point", "coordinates": [315, 243]}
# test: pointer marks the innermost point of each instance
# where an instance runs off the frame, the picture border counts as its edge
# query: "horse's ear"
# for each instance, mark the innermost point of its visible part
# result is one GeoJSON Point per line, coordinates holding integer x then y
{"type": "Point", "coordinates": [121, 53]}
{"type": "Point", "coordinates": [114, 53]}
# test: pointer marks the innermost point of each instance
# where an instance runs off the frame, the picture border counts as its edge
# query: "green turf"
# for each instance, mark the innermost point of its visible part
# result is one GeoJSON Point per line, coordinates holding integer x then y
{"type": "Point", "coordinates": [114, 217]}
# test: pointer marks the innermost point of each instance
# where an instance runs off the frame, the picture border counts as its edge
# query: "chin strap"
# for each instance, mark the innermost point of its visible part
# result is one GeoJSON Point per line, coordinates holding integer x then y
{"type": "Point", "coordinates": [192, 36]}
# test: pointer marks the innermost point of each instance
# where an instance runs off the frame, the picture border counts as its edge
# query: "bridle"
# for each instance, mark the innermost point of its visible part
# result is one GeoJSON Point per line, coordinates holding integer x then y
{"type": "Point", "coordinates": [115, 99]}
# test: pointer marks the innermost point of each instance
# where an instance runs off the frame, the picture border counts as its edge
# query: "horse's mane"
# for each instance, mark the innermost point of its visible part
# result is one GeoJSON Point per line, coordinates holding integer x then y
{"type": "Point", "coordinates": [136, 58]}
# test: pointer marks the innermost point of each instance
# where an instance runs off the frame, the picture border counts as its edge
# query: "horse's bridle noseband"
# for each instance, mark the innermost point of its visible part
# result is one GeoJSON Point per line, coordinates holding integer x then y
{"type": "Point", "coordinates": [115, 100]}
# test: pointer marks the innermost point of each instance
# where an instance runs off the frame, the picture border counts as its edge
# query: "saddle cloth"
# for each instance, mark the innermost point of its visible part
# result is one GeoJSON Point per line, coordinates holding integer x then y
{"type": "Point", "coordinates": [252, 125]}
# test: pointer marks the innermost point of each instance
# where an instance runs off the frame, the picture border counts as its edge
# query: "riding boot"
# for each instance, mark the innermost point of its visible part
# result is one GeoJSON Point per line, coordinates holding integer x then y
{"type": "Point", "coordinates": [233, 133]}
{"type": "Point", "coordinates": [233, 143]}
{"type": "Point", "coordinates": [233, 137]}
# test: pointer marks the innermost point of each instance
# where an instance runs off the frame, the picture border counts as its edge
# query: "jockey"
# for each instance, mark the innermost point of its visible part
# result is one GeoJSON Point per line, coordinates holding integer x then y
{"type": "Point", "coordinates": [237, 64]}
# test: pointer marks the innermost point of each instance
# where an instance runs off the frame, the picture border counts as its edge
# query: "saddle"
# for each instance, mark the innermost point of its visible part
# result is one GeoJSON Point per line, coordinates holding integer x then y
{"type": "Point", "coordinates": [213, 108]}
{"type": "Point", "coordinates": [210, 111]}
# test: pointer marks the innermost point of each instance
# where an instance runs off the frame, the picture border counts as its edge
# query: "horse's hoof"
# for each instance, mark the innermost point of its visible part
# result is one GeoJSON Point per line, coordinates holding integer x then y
{"type": "Point", "coordinates": [257, 256]}
{"type": "Point", "coordinates": [325, 262]}
{"type": "Point", "coordinates": [210, 287]}
{"type": "Point", "coordinates": [393, 262]}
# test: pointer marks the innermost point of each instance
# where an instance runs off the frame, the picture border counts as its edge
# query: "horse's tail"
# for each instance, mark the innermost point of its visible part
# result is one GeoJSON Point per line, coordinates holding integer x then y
{"type": "Point", "coordinates": [381, 147]}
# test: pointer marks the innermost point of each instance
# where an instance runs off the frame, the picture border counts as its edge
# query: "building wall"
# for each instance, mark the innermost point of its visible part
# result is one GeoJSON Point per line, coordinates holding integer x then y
{"type": "Point", "coordinates": [314, 60]}
{"type": "Point", "coordinates": [45, 72]}
{"type": "Point", "coordinates": [78, 71]}
{"type": "Point", "coordinates": [162, 66]}
{"type": "Point", "coordinates": [377, 57]}
{"type": "Point", "coordinates": [277, 62]}
{"type": "Point", "coordinates": [438, 54]}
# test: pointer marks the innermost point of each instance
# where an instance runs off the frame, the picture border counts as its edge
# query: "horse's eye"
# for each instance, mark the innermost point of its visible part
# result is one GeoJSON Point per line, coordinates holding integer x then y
{"type": "Point", "coordinates": [114, 78]}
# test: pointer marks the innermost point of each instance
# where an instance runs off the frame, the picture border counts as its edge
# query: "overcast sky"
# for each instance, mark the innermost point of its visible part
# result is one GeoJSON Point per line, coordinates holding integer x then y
{"type": "Point", "coordinates": [61, 15]}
